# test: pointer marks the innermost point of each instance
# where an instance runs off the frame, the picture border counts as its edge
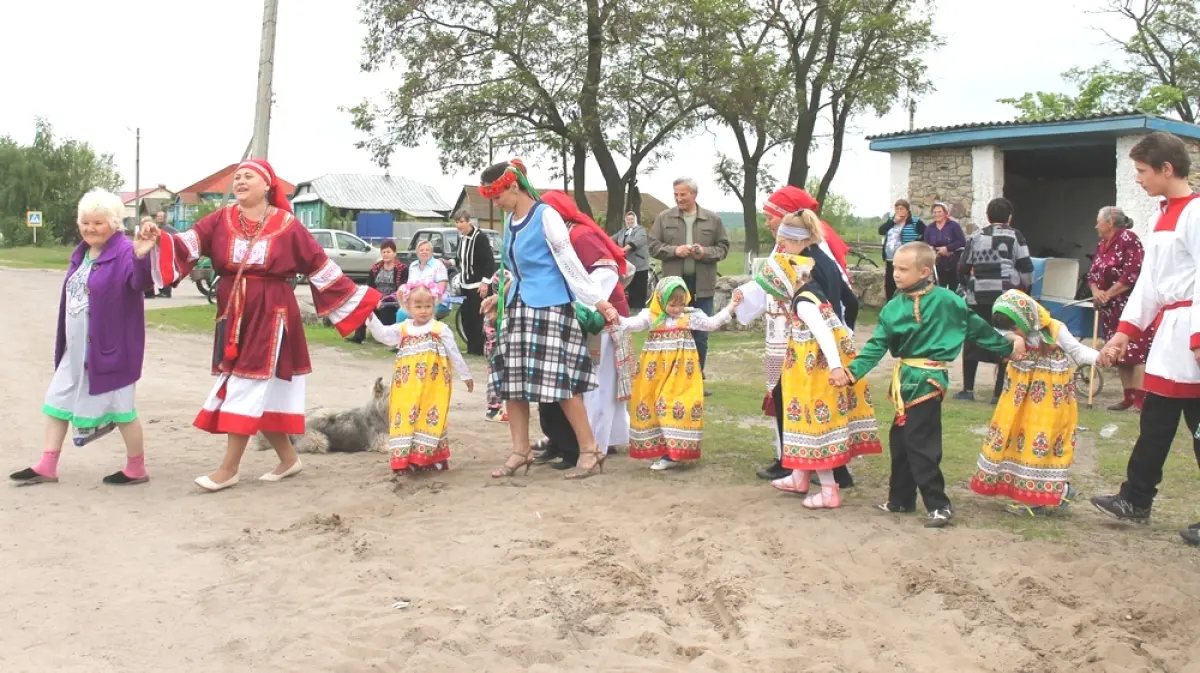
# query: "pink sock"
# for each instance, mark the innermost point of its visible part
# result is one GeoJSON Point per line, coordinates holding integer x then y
{"type": "Point", "coordinates": [48, 467]}
{"type": "Point", "coordinates": [135, 466]}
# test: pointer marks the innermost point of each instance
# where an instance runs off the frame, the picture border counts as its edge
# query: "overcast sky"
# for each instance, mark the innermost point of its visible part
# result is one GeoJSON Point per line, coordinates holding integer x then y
{"type": "Point", "coordinates": [185, 72]}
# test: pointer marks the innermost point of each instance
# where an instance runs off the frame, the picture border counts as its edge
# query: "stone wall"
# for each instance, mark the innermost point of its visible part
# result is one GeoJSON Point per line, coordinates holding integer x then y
{"type": "Point", "coordinates": [941, 175]}
{"type": "Point", "coordinates": [1194, 153]}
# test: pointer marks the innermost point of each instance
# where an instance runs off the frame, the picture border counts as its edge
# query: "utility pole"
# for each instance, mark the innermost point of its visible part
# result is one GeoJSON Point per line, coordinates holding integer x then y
{"type": "Point", "coordinates": [266, 72]}
{"type": "Point", "coordinates": [137, 179]}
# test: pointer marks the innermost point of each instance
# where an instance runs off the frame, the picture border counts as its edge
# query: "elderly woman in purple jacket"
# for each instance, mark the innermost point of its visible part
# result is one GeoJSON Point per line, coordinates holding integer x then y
{"type": "Point", "coordinates": [100, 343]}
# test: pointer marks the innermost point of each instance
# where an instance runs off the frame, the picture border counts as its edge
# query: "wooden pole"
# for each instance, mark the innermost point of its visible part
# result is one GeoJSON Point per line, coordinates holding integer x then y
{"type": "Point", "coordinates": [1092, 377]}
{"type": "Point", "coordinates": [266, 73]}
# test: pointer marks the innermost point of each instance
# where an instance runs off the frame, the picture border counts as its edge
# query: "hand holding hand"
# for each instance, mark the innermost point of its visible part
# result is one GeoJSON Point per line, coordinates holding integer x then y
{"type": "Point", "coordinates": [736, 300]}
{"type": "Point", "coordinates": [839, 378]}
{"type": "Point", "coordinates": [470, 385]}
{"type": "Point", "coordinates": [483, 290]}
{"type": "Point", "coordinates": [1018, 344]}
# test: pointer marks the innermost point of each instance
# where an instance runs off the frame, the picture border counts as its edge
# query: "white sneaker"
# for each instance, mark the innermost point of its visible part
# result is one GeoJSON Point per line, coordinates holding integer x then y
{"type": "Point", "coordinates": [663, 464]}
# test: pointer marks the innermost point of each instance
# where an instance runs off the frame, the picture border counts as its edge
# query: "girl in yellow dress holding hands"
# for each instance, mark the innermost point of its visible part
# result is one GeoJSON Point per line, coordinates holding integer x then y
{"type": "Point", "coordinates": [667, 406]}
{"type": "Point", "coordinates": [421, 381]}
{"type": "Point", "coordinates": [1031, 441]}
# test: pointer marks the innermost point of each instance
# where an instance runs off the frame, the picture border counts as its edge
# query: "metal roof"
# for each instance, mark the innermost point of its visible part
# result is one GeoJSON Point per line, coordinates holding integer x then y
{"type": "Point", "coordinates": [376, 192]}
{"type": "Point", "coordinates": [1058, 128]}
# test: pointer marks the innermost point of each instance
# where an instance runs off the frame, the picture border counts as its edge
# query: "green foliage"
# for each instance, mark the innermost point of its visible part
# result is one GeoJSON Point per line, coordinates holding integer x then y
{"type": "Point", "coordinates": [49, 175]}
{"type": "Point", "coordinates": [1160, 73]}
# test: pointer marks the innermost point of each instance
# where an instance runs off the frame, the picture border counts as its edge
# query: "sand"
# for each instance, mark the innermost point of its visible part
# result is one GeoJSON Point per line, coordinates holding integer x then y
{"type": "Point", "coordinates": [624, 572]}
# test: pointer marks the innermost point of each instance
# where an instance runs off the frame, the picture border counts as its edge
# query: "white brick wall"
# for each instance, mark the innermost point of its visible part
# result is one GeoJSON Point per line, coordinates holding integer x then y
{"type": "Point", "coordinates": [987, 180]}
{"type": "Point", "coordinates": [1131, 198]}
{"type": "Point", "coordinates": [901, 164]}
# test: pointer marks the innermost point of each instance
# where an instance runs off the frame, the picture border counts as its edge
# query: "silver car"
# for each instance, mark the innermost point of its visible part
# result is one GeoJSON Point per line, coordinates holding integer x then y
{"type": "Point", "coordinates": [354, 255]}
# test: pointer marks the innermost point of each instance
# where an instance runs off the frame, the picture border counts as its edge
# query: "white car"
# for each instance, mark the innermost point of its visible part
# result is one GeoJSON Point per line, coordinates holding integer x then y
{"type": "Point", "coordinates": [354, 255]}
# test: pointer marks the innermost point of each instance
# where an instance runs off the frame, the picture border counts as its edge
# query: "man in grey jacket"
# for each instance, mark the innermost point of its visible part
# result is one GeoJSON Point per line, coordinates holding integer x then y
{"type": "Point", "coordinates": [633, 239]}
{"type": "Point", "coordinates": [690, 240]}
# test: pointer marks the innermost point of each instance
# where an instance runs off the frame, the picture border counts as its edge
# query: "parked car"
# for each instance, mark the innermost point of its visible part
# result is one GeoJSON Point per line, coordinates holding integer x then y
{"type": "Point", "coordinates": [354, 255]}
{"type": "Point", "coordinates": [445, 248]}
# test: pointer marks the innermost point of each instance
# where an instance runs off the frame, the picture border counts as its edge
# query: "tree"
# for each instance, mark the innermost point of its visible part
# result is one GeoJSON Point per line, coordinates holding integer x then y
{"type": "Point", "coordinates": [475, 71]}
{"type": "Point", "coordinates": [847, 57]}
{"type": "Point", "coordinates": [750, 95]}
{"type": "Point", "coordinates": [835, 208]}
{"type": "Point", "coordinates": [50, 176]}
{"type": "Point", "coordinates": [1160, 73]}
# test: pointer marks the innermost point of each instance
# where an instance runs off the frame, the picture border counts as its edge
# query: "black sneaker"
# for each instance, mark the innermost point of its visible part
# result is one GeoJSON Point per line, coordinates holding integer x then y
{"type": "Point", "coordinates": [892, 508]}
{"type": "Point", "coordinates": [939, 518]}
{"type": "Point", "coordinates": [965, 396]}
{"type": "Point", "coordinates": [1121, 509]}
{"type": "Point", "coordinates": [773, 471]}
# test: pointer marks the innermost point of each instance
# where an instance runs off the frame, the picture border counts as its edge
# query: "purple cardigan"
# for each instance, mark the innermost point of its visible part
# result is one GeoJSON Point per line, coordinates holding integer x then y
{"type": "Point", "coordinates": [116, 315]}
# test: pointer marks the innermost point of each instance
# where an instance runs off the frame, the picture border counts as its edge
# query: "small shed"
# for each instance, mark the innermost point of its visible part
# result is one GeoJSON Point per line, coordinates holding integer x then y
{"type": "Point", "coordinates": [487, 217]}
{"type": "Point", "coordinates": [1058, 173]}
{"type": "Point", "coordinates": [376, 206]}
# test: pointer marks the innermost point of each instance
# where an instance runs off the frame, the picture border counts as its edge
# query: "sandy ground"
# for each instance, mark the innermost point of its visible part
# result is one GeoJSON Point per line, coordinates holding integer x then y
{"type": "Point", "coordinates": [618, 573]}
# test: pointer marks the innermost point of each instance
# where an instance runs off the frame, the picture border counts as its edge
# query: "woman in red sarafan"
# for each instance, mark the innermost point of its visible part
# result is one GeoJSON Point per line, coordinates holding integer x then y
{"type": "Point", "coordinates": [260, 355]}
{"type": "Point", "coordinates": [1115, 268]}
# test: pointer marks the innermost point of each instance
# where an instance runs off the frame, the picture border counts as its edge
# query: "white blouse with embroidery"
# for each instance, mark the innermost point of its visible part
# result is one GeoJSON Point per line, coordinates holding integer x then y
{"type": "Point", "coordinates": [696, 321]}
{"type": "Point", "coordinates": [389, 335]}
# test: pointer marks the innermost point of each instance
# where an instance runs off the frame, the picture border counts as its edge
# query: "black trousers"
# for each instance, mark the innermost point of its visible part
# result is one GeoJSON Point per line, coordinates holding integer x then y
{"type": "Point", "coordinates": [973, 355]}
{"type": "Point", "coordinates": [472, 321]}
{"type": "Point", "coordinates": [889, 283]}
{"type": "Point", "coordinates": [1159, 423]}
{"type": "Point", "coordinates": [636, 291]}
{"type": "Point", "coordinates": [841, 475]}
{"type": "Point", "coordinates": [557, 429]}
{"type": "Point", "coordinates": [948, 278]}
{"type": "Point", "coordinates": [916, 449]}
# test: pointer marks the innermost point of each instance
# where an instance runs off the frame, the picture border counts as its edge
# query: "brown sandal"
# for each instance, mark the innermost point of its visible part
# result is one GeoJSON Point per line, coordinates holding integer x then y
{"type": "Point", "coordinates": [506, 471]}
{"type": "Point", "coordinates": [584, 473]}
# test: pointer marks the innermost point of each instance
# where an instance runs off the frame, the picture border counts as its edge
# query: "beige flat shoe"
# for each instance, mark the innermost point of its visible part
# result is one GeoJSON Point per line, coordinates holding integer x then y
{"type": "Point", "coordinates": [291, 471]}
{"type": "Point", "coordinates": [212, 486]}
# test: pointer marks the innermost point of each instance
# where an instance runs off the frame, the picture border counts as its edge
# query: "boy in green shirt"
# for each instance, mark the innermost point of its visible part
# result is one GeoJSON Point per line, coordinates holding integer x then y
{"type": "Point", "coordinates": [924, 326]}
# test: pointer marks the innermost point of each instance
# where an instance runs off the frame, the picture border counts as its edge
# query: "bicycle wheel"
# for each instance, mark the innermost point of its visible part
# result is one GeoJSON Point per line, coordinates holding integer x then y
{"type": "Point", "coordinates": [1085, 380]}
{"type": "Point", "coordinates": [459, 330]}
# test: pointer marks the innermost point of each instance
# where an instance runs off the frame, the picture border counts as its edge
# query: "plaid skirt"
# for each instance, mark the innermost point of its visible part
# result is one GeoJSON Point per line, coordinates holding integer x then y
{"type": "Point", "coordinates": [541, 355]}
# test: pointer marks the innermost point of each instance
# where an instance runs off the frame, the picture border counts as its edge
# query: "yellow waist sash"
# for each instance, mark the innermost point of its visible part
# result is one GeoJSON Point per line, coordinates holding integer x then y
{"type": "Point", "coordinates": [916, 363]}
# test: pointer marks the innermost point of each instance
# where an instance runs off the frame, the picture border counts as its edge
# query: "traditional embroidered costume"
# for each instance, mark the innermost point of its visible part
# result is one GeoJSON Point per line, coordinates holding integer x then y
{"type": "Point", "coordinates": [667, 405]}
{"type": "Point", "coordinates": [540, 353]}
{"type": "Point", "coordinates": [260, 351]}
{"type": "Point", "coordinates": [611, 350]}
{"type": "Point", "coordinates": [1031, 441]}
{"type": "Point", "coordinates": [1164, 296]}
{"type": "Point", "coordinates": [925, 328]}
{"type": "Point", "coordinates": [419, 411]}
{"type": "Point", "coordinates": [1119, 260]}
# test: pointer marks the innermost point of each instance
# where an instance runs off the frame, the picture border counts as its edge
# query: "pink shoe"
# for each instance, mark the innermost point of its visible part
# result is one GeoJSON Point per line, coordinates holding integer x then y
{"type": "Point", "coordinates": [830, 497]}
{"type": "Point", "coordinates": [796, 482]}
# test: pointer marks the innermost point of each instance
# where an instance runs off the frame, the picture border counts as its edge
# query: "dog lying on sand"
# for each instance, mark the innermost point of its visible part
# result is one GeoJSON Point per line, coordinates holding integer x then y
{"type": "Point", "coordinates": [346, 430]}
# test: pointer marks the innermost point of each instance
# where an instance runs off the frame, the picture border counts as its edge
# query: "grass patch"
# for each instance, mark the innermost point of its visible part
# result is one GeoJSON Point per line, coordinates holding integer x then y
{"type": "Point", "coordinates": [37, 257]}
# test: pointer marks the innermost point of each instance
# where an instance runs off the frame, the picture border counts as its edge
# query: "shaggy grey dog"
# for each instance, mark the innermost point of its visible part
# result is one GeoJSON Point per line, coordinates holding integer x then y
{"type": "Point", "coordinates": [347, 430]}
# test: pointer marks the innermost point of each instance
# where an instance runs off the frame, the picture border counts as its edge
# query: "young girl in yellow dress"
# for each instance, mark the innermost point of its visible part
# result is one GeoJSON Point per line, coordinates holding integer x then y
{"type": "Point", "coordinates": [823, 424]}
{"type": "Point", "coordinates": [1031, 441]}
{"type": "Point", "coordinates": [667, 405]}
{"type": "Point", "coordinates": [421, 381]}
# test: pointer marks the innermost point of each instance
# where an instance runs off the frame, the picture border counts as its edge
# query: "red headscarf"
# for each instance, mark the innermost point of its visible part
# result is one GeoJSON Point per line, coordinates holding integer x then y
{"type": "Point", "coordinates": [276, 194]}
{"type": "Point", "coordinates": [789, 199]}
{"type": "Point", "coordinates": [566, 207]}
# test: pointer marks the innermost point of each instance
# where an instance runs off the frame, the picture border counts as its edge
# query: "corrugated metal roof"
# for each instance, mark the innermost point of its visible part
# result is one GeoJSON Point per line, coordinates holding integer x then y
{"type": "Point", "coordinates": [379, 192]}
{"type": "Point", "coordinates": [1002, 124]}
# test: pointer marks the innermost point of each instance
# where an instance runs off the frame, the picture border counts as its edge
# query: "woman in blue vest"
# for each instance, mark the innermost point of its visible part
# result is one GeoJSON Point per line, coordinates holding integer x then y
{"type": "Point", "coordinates": [541, 353]}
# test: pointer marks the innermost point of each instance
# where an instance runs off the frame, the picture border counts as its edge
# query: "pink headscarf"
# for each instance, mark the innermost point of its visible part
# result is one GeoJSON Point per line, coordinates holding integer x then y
{"type": "Point", "coordinates": [435, 290]}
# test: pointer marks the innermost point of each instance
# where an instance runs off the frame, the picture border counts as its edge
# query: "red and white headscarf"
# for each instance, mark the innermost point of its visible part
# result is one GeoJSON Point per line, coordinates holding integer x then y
{"type": "Point", "coordinates": [276, 194]}
{"type": "Point", "coordinates": [789, 199]}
